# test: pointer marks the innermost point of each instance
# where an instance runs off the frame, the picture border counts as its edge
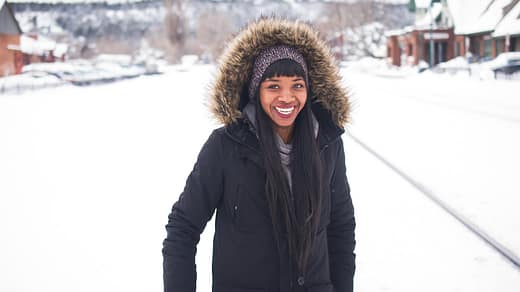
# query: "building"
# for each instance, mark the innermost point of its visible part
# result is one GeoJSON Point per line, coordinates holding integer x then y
{"type": "Point", "coordinates": [445, 29]}
{"type": "Point", "coordinates": [18, 49]}
{"type": "Point", "coordinates": [508, 29]}
{"type": "Point", "coordinates": [10, 32]}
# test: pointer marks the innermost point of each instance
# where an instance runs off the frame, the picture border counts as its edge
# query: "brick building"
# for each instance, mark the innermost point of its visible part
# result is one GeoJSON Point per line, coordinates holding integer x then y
{"type": "Point", "coordinates": [507, 32]}
{"type": "Point", "coordinates": [11, 62]}
{"type": "Point", "coordinates": [18, 49]}
{"type": "Point", "coordinates": [483, 28]}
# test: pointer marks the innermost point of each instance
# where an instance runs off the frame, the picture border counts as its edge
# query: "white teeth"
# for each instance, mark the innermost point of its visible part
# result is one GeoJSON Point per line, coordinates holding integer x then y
{"type": "Point", "coordinates": [284, 111]}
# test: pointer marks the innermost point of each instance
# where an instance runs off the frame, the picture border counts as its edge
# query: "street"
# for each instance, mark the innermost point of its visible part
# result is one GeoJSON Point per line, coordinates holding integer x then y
{"type": "Point", "coordinates": [88, 176]}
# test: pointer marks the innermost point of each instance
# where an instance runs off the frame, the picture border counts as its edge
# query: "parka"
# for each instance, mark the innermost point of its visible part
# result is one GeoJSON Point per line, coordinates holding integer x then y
{"type": "Point", "coordinates": [229, 177]}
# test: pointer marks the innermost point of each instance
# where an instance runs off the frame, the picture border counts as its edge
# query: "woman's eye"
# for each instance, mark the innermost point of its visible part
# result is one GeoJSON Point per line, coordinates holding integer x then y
{"type": "Point", "coordinates": [299, 85]}
{"type": "Point", "coordinates": [273, 86]}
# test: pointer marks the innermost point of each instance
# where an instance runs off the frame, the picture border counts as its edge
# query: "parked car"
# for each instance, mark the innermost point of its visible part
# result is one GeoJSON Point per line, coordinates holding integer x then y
{"type": "Point", "coordinates": [505, 64]}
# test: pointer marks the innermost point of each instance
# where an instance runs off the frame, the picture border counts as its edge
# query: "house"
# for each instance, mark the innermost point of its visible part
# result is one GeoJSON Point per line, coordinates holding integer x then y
{"type": "Point", "coordinates": [508, 29]}
{"type": "Point", "coordinates": [446, 29]}
{"type": "Point", "coordinates": [18, 49]}
{"type": "Point", "coordinates": [481, 26]}
{"type": "Point", "coordinates": [431, 34]}
{"type": "Point", "coordinates": [10, 61]}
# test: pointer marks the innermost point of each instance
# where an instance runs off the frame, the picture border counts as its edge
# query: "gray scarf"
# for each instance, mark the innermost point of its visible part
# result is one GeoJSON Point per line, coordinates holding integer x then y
{"type": "Point", "coordinates": [284, 149]}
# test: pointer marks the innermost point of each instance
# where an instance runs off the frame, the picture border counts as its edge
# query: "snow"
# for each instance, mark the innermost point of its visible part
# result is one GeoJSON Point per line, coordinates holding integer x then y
{"type": "Point", "coordinates": [504, 59]}
{"type": "Point", "coordinates": [60, 50]}
{"type": "Point", "coordinates": [510, 25]}
{"type": "Point", "coordinates": [465, 14]}
{"type": "Point", "coordinates": [490, 17]}
{"type": "Point", "coordinates": [395, 32]}
{"type": "Point", "coordinates": [103, 69]}
{"type": "Point", "coordinates": [455, 63]}
{"type": "Point", "coordinates": [430, 16]}
{"type": "Point", "coordinates": [422, 3]}
{"type": "Point", "coordinates": [38, 46]}
{"type": "Point", "coordinates": [36, 79]}
{"type": "Point", "coordinates": [457, 136]}
{"type": "Point", "coordinates": [88, 176]}
{"type": "Point", "coordinates": [119, 59]}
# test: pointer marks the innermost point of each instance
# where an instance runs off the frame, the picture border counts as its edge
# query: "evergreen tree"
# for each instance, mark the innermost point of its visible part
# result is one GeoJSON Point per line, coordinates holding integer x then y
{"type": "Point", "coordinates": [411, 6]}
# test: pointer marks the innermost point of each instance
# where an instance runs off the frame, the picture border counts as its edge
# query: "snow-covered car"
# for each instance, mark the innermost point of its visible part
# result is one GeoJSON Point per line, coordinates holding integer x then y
{"type": "Point", "coordinates": [28, 81]}
{"type": "Point", "coordinates": [505, 64]}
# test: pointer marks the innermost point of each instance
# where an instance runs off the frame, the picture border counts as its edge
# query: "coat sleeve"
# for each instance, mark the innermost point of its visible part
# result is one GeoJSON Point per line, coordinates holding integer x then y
{"type": "Point", "coordinates": [189, 215]}
{"type": "Point", "coordinates": [340, 232]}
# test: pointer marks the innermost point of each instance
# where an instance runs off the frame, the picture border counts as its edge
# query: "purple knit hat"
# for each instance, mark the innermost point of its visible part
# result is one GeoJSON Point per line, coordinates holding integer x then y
{"type": "Point", "coordinates": [267, 57]}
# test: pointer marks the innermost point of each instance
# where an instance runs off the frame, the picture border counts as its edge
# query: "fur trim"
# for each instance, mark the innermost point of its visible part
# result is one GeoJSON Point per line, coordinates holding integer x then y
{"type": "Point", "coordinates": [237, 61]}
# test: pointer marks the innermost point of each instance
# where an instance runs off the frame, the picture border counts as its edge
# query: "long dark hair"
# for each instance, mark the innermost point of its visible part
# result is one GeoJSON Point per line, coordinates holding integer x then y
{"type": "Point", "coordinates": [299, 211]}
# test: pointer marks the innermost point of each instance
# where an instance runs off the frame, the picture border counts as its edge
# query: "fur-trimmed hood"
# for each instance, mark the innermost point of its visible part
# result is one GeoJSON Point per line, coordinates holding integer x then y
{"type": "Point", "coordinates": [237, 61]}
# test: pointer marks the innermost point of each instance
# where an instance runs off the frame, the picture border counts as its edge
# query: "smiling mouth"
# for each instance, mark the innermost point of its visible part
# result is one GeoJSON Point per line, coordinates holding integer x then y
{"type": "Point", "coordinates": [285, 110]}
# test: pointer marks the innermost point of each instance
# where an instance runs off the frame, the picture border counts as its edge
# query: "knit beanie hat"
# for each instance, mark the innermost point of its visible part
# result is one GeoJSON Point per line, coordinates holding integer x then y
{"type": "Point", "coordinates": [267, 57]}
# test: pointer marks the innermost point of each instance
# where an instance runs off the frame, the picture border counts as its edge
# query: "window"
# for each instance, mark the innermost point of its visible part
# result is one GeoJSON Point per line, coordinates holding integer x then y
{"type": "Point", "coordinates": [487, 47]}
{"type": "Point", "coordinates": [499, 46]}
{"type": "Point", "coordinates": [457, 49]}
{"type": "Point", "coordinates": [475, 47]}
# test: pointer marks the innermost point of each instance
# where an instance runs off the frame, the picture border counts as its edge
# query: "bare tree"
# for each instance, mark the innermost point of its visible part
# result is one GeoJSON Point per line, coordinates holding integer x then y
{"type": "Point", "coordinates": [356, 28]}
{"type": "Point", "coordinates": [175, 23]}
{"type": "Point", "coordinates": [212, 38]}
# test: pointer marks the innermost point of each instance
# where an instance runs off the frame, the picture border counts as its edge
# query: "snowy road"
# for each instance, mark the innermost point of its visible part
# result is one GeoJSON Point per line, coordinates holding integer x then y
{"type": "Point", "coordinates": [459, 138]}
{"type": "Point", "coordinates": [88, 175]}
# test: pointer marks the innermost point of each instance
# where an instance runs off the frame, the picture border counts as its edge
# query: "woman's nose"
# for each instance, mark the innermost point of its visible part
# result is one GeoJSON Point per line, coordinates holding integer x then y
{"type": "Point", "coordinates": [286, 96]}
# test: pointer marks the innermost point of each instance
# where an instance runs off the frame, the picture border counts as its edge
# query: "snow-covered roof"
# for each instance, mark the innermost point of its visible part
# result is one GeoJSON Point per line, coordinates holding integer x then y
{"type": "Point", "coordinates": [36, 47]}
{"type": "Point", "coordinates": [489, 18]}
{"type": "Point", "coordinates": [395, 32]}
{"type": "Point", "coordinates": [465, 13]}
{"type": "Point", "coordinates": [60, 50]}
{"type": "Point", "coordinates": [33, 46]}
{"type": "Point", "coordinates": [40, 46]}
{"type": "Point", "coordinates": [429, 17]}
{"type": "Point", "coordinates": [510, 24]}
{"type": "Point", "coordinates": [422, 3]}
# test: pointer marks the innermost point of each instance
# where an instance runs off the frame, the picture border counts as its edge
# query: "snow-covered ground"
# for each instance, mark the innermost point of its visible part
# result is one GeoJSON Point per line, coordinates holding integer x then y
{"type": "Point", "coordinates": [88, 176]}
{"type": "Point", "coordinates": [457, 136]}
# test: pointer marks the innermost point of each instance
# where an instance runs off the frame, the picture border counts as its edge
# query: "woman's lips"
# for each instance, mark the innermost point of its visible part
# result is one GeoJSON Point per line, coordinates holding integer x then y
{"type": "Point", "coordinates": [284, 112]}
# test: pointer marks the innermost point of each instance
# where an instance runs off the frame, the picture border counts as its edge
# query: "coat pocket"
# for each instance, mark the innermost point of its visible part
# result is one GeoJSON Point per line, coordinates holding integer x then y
{"type": "Point", "coordinates": [250, 211]}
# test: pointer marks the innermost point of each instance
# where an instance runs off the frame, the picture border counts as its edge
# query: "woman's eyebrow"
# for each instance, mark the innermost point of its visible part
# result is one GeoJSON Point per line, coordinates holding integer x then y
{"type": "Point", "coordinates": [276, 80]}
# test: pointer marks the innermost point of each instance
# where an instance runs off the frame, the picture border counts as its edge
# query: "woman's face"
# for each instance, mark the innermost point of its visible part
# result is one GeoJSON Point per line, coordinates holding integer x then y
{"type": "Point", "coordinates": [282, 98]}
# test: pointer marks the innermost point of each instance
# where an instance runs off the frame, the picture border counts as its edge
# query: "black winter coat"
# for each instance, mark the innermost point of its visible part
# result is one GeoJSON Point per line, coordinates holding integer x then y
{"type": "Point", "coordinates": [229, 177]}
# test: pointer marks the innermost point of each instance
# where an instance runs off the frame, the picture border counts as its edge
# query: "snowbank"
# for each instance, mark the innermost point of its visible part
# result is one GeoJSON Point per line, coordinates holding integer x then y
{"type": "Point", "coordinates": [105, 68]}
{"type": "Point", "coordinates": [502, 68]}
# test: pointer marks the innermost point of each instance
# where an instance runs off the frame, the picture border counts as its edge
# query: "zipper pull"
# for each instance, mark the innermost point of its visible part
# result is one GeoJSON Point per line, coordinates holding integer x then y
{"type": "Point", "coordinates": [235, 210]}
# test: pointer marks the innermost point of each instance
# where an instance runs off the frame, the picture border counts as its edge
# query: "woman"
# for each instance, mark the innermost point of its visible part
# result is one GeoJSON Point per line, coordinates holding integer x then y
{"type": "Point", "coordinates": [275, 172]}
